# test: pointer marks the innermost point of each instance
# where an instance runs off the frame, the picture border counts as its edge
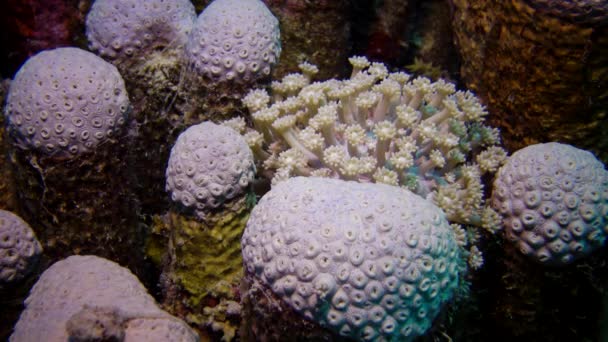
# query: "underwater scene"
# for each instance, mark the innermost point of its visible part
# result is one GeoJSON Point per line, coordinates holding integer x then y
{"type": "Point", "coordinates": [303, 170]}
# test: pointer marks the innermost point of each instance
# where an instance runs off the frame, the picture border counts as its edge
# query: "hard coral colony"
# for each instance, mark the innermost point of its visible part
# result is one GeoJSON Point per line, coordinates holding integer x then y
{"type": "Point", "coordinates": [379, 127]}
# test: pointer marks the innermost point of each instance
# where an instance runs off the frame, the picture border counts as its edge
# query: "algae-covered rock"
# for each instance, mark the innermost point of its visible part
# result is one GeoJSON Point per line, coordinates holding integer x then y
{"type": "Point", "coordinates": [540, 66]}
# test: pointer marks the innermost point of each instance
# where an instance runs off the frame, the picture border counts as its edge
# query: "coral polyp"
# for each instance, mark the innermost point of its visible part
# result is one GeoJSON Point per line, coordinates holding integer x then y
{"type": "Point", "coordinates": [379, 126]}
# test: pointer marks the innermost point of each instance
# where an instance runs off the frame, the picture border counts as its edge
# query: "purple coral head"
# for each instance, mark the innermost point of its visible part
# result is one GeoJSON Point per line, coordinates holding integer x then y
{"type": "Point", "coordinates": [234, 40]}
{"type": "Point", "coordinates": [554, 202]}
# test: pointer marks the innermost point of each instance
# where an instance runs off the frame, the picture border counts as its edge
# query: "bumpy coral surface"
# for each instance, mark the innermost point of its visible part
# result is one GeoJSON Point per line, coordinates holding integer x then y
{"type": "Point", "coordinates": [366, 260]}
{"type": "Point", "coordinates": [379, 127]}
{"type": "Point", "coordinates": [554, 201]}
{"type": "Point", "coordinates": [86, 297]}
{"type": "Point", "coordinates": [236, 40]}
{"type": "Point", "coordinates": [209, 164]}
{"type": "Point", "coordinates": [65, 101]}
{"type": "Point", "coordinates": [121, 30]}
{"type": "Point", "coordinates": [19, 248]}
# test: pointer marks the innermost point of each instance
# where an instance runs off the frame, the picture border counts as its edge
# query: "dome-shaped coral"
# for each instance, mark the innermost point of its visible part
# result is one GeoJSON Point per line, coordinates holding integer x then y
{"type": "Point", "coordinates": [366, 260]}
{"type": "Point", "coordinates": [209, 164]}
{"type": "Point", "coordinates": [554, 202]}
{"type": "Point", "coordinates": [19, 248]}
{"type": "Point", "coordinates": [121, 30]}
{"type": "Point", "coordinates": [234, 40]}
{"type": "Point", "coordinates": [91, 299]}
{"type": "Point", "coordinates": [66, 101]}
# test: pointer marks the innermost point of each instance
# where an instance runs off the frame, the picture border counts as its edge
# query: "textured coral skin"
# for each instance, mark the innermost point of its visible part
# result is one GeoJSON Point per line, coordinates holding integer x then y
{"type": "Point", "coordinates": [365, 260]}
{"type": "Point", "coordinates": [64, 102]}
{"type": "Point", "coordinates": [209, 165]}
{"type": "Point", "coordinates": [76, 293]}
{"type": "Point", "coordinates": [19, 248]}
{"type": "Point", "coordinates": [124, 31]}
{"type": "Point", "coordinates": [554, 202]}
{"type": "Point", "coordinates": [236, 41]}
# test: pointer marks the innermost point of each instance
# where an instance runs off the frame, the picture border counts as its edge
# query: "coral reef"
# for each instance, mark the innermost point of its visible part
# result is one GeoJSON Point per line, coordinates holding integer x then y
{"type": "Point", "coordinates": [317, 32]}
{"type": "Point", "coordinates": [379, 127]}
{"type": "Point", "coordinates": [87, 298]}
{"type": "Point", "coordinates": [540, 66]}
{"type": "Point", "coordinates": [209, 179]}
{"type": "Point", "coordinates": [19, 249]}
{"type": "Point", "coordinates": [554, 202]}
{"type": "Point", "coordinates": [367, 261]}
{"type": "Point", "coordinates": [145, 40]}
{"type": "Point", "coordinates": [66, 113]}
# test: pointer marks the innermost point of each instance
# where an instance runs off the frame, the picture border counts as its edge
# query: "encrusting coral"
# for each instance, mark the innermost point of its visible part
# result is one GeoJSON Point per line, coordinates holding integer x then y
{"type": "Point", "coordinates": [366, 261]}
{"type": "Point", "coordinates": [554, 202]}
{"type": "Point", "coordinates": [88, 298]}
{"type": "Point", "coordinates": [67, 111]}
{"type": "Point", "coordinates": [379, 127]}
{"type": "Point", "coordinates": [209, 178]}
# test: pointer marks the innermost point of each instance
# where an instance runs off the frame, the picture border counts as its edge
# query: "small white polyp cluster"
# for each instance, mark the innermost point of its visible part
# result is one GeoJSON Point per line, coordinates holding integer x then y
{"type": "Point", "coordinates": [19, 248]}
{"type": "Point", "coordinates": [122, 29]}
{"type": "Point", "coordinates": [554, 202]}
{"type": "Point", "coordinates": [236, 40]}
{"type": "Point", "coordinates": [209, 164]}
{"type": "Point", "coordinates": [89, 297]}
{"type": "Point", "coordinates": [66, 101]}
{"type": "Point", "coordinates": [369, 261]}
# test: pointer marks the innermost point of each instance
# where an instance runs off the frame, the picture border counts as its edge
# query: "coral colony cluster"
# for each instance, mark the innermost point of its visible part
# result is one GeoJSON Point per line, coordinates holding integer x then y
{"type": "Point", "coordinates": [368, 232]}
{"type": "Point", "coordinates": [367, 261]}
{"type": "Point", "coordinates": [379, 127]}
